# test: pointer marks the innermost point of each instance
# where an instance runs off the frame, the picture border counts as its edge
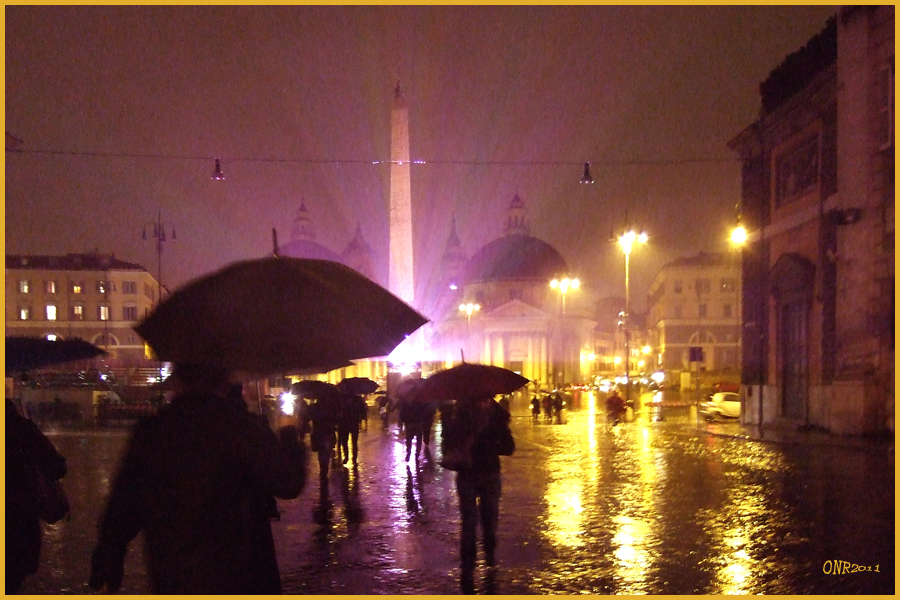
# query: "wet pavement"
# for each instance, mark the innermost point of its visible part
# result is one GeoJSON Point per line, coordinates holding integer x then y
{"type": "Point", "coordinates": [643, 507]}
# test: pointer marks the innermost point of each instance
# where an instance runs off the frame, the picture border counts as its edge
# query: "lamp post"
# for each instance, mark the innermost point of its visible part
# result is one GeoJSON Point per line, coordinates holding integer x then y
{"type": "Point", "coordinates": [627, 240]}
{"type": "Point", "coordinates": [469, 308]}
{"type": "Point", "coordinates": [159, 234]}
{"type": "Point", "coordinates": [563, 285]}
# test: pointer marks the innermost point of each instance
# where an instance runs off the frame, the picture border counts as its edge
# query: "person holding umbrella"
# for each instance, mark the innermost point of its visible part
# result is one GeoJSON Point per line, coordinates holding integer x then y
{"type": "Point", "coordinates": [196, 479]}
{"type": "Point", "coordinates": [481, 425]}
{"type": "Point", "coordinates": [352, 411]}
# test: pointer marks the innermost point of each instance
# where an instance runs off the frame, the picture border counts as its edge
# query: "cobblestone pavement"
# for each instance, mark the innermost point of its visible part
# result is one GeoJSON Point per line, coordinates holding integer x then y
{"type": "Point", "coordinates": [639, 508]}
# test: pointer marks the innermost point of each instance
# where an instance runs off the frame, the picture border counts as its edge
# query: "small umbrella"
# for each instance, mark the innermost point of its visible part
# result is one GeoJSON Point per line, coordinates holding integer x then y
{"type": "Point", "coordinates": [357, 385]}
{"type": "Point", "coordinates": [27, 353]}
{"type": "Point", "coordinates": [278, 315]}
{"type": "Point", "coordinates": [470, 380]}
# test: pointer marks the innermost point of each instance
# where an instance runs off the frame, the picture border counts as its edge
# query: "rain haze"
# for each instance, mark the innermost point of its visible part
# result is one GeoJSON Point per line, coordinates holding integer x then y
{"type": "Point", "coordinates": [122, 111]}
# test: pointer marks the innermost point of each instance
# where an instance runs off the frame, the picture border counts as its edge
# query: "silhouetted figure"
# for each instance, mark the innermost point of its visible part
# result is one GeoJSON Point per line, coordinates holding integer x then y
{"type": "Point", "coordinates": [482, 428]}
{"type": "Point", "coordinates": [615, 408]}
{"type": "Point", "coordinates": [535, 409]}
{"type": "Point", "coordinates": [195, 478]}
{"type": "Point", "coordinates": [27, 449]}
{"type": "Point", "coordinates": [323, 415]}
{"type": "Point", "coordinates": [418, 417]}
{"type": "Point", "coordinates": [352, 411]}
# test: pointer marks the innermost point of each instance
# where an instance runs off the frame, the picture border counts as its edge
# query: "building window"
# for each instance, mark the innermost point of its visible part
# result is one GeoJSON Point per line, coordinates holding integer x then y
{"type": "Point", "coordinates": [102, 286]}
{"type": "Point", "coordinates": [129, 313]}
{"type": "Point", "coordinates": [701, 311]}
{"type": "Point", "coordinates": [797, 171]}
{"type": "Point", "coordinates": [24, 313]}
{"type": "Point", "coordinates": [50, 287]}
{"type": "Point", "coordinates": [703, 286]}
{"type": "Point", "coordinates": [129, 287]}
{"type": "Point", "coordinates": [677, 286]}
{"type": "Point", "coordinates": [677, 311]}
{"type": "Point", "coordinates": [51, 312]}
{"type": "Point", "coordinates": [103, 311]}
{"type": "Point", "coordinates": [78, 313]}
{"type": "Point", "coordinates": [77, 288]}
{"type": "Point", "coordinates": [24, 286]}
{"type": "Point", "coordinates": [726, 310]}
{"type": "Point", "coordinates": [728, 285]}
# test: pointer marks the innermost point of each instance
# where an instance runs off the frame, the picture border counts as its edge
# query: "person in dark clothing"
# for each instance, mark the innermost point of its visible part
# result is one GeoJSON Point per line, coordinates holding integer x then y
{"type": "Point", "coordinates": [353, 411]}
{"type": "Point", "coordinates": [322, 416]}
{"type": "Point", "coordinates": [615, 408]}
{"type": "Point", "coordinates": [483, 426]}
{"type": "Point", "coordinates": [535, 409]}
{"type": "Point", "coordinates": [195, 478]}
{"type": "Point", "coordinates": [26, 449]}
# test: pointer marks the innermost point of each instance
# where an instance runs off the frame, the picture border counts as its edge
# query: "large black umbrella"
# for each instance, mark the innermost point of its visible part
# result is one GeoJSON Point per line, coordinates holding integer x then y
{"type": "Point", "coordinates": [315, 389]}
{"type": "Point", "coordinates": [468, 381]}
{"type": "Point", "coordinates": [357, 385]}
{"type": "Point", "coordinates": [27, 353]}
{"type": "Point", "coordinates": [279, 315]}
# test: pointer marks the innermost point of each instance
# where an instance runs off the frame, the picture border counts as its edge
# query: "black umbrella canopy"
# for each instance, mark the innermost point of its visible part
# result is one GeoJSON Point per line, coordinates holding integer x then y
{"type": "Point", "coordinates": [315, 389]}
{"type": "Point", "coordinates": [357, 385]}
{"type": "Point", "coordinates": [468, 381]}
{"type": "Point", "coordinates": [279, 314]}
{"type": "Point", "coordinates": [27, 353]}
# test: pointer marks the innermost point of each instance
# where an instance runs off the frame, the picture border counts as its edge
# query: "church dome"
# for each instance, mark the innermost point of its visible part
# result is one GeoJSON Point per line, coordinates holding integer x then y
{"type": "Point", "coordinates": [515, 256]}
{"type": "Point", "coordinates": [308, 249]}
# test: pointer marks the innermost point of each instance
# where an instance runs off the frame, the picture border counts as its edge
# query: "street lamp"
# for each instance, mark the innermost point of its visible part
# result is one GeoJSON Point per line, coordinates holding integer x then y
{"type": "Point", "coordinates": [627, 240]}
{"type": "Point", "coordinates": [469, 308]}
{"type": "Point", "coordinates": [563, 285]}
{"type": "Point", "coordinates": [159, 234]}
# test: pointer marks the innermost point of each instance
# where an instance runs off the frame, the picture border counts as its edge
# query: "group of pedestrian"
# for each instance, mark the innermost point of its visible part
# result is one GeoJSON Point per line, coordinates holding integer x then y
{"type": "Point", "coordinates": [199, 479]}
{"type": "Point", "coordinates": [552, 405]}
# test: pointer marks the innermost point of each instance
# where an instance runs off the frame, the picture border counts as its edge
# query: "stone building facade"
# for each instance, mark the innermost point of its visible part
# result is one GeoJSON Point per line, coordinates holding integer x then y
{"type": "Point", "coordinates": [818, 201]}
{"type": "Point", "coordinates": [95, 297]}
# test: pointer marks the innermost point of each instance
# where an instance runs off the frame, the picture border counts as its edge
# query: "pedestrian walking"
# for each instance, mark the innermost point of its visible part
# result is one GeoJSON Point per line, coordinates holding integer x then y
{"type": "Point", "coordinates": [384, 411]}
{"type": "Point", "coordinates": [547, 405]}
{"type": "Point", "coordinates": [352, 411]}
{"type": "Point", "coordinates": [479, 431]}
{"type": "Point", "coordinates": [558, 404]}
{"type": "Point", "coordinates": [194, 480]}
{"type": "Point", "coordinates": [417, 417]}
{"type": "Point", "coordinates": [615, 408]}
{"type": "Point", "coordinates": [322, 418]}
{"type": "Point", "coordinates": [27, 451]}
{"type": "Point", "coordinates": [535, 409]}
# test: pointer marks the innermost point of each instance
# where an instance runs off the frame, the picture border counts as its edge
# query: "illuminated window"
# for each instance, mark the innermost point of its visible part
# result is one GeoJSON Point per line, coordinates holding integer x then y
{"type": "Point", "coordinates": [51, 337]}
{"type": "Point", "coordinates": [77, 288]}
{"type": "Point", "coordinates": [51, 312]}
{"type": "Point", "coordinates": [24, 286]}
{"type": "Point", "coordinates": [129, 313]}
{"type": "Point", "coordinates": [24, 313]}
{"type": "Point", "coordinates": [50, 287]}
{"type": "Point", "coordinates": [78, 313]}
{"type": "Point", "coordinates": [104, 312]}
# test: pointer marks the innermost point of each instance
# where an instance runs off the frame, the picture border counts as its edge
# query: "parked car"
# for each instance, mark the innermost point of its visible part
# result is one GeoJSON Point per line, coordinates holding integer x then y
{"type": "Point", "coordinates": [722, 405]}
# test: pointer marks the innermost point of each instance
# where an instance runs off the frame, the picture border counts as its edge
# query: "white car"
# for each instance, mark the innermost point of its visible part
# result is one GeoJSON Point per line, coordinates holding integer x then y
{"type": "Point", "coordinates": [722, 405]}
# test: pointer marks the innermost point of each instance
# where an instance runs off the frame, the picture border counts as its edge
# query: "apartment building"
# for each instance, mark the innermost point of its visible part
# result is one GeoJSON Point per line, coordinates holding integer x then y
{"type": "Point", "coordinates": [95, 297]}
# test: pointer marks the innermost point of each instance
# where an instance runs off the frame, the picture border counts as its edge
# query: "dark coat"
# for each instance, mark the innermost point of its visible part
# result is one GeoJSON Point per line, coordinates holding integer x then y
{"type": "Point", "coordinates": [492, 436]}
{"type": "Point", "coordinates": [26, 448]}
{"type": "Point", "coordinates": [195, 479]}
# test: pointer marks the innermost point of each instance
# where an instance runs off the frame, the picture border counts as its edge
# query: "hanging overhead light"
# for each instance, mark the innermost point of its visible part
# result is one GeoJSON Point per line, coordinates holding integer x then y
{"type": "Point", "coordinates": [586, 178]}
{"type": "Point", "coordinates": [217, 174]}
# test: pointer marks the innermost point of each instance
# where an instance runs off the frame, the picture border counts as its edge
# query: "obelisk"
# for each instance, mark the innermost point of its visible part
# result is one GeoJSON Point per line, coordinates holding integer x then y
{"type": "Point", "coordinates": [400, 269]}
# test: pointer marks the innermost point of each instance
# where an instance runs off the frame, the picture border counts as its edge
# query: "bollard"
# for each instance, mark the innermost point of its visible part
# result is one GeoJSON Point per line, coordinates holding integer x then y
{"type": "Point", "coordinates": [692, 414]}
{"type": "Point", "coordinates": [629, 415]}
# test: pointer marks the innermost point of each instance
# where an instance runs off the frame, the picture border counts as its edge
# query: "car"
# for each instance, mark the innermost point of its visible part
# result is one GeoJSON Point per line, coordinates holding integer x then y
{"type": "Point", "coordinates": [722, 405]}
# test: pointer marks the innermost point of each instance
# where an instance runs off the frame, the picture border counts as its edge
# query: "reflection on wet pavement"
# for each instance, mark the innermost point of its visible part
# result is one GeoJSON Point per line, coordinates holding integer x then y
{"type": "Point", "coordinates": [587, 507]}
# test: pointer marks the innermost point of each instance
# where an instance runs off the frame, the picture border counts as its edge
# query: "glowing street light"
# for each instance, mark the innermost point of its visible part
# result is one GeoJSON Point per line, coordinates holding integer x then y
{"type": "Point", "coordinates": [469, 309]}
{"type": "Point", "coordinates": [739, 235]}
{"type": "Point", "coordinates": [563, 285]}
{"type": "Point", "coordinates": [627, 240]}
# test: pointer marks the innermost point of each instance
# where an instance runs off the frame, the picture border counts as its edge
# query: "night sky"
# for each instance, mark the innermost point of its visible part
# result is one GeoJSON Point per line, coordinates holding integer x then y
{"type": "Point", "coordinates": [122, 110]}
